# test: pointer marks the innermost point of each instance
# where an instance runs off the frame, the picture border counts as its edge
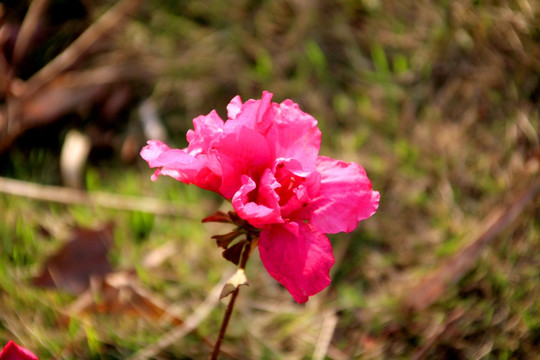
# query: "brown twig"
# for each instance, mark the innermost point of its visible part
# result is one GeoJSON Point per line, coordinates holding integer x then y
{"type": "Point", "coordinates": [12, 122]}
{"type": "Point", "coordinates": [95, 198]}
{"type": "Point", "coordinates": [103, 27]}
{"type": "Point", "coordinates": [28, 29]}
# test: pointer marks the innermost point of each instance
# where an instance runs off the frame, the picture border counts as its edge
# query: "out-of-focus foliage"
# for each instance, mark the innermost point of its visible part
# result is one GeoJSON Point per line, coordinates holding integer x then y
{"type": "Point", "coordinates": [438, 100]}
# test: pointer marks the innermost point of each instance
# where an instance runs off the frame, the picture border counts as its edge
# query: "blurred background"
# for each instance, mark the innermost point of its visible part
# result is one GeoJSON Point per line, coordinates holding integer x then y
{"type": "Point", "coordinates": [438, 100]}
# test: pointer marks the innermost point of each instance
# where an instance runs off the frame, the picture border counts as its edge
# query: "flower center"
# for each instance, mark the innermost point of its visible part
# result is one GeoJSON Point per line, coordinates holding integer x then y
{"type": "Point", "coordinates": [291, 184]}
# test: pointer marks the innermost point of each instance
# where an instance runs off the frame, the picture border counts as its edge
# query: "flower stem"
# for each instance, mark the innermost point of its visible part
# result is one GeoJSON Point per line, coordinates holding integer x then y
{"type": "Point", "coordinates": [224, 324]}
{"type": "Point", "coordinates": [228, 312]}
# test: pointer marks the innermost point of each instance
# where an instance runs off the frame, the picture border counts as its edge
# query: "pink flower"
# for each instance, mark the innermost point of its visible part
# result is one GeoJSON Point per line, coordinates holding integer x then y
{"type": "Point", "coordinates": [265, 159]}
{"type": "Point", "coordinates": [13, 351]}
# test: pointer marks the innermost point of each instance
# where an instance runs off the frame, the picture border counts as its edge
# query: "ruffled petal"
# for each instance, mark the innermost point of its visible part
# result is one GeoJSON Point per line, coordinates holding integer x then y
{"type": "Point", "coordinates": [259, 208]}
{"type": "Point", "coordinates": [345, 197]}
{"type": "Point", "coordinates": [298, 256]}
{"type": "Point", "coordinates": [253, 114]}
{"type": "Point", "coordinates": [295, 135]}
{"type": "Point", "coordinates": [206, 130]}
{"type": "Point", "coordinates": [234, 107]}
{"type": "Point", "coordinates": [152, 151]}
{"type": "Point", "coordinates": [199, 170]}
{"type": "Point", "coordinates": [241, 152]}
{"type": "Point", "coordinates": [293, 192]}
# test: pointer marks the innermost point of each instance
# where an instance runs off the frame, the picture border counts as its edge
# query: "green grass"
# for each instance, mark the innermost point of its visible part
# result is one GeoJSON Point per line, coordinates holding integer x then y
{"type": "Point", "coordinates": [437, 100]}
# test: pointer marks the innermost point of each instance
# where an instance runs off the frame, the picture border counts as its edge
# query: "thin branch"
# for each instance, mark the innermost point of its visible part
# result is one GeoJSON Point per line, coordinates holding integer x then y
{"type": "Point", "coordinates": [28, 29]}
{"type": "Point", "coordinates": [103, 27]}
{"type": "Point", "coordinates": [95, 198]}
{"type": "Point", "coordinates": [11, 124]}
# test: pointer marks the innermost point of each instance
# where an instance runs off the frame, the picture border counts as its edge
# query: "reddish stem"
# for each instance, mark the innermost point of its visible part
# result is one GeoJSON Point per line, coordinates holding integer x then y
{"type": "Point", "coordinates": [228, 312]}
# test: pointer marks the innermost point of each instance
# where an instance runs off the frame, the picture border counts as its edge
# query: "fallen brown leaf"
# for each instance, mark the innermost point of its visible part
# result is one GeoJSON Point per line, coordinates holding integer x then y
{"type": "Point", "coordinates": [84, 256]}
{"type": "Point", "coordinates": [121, 293]}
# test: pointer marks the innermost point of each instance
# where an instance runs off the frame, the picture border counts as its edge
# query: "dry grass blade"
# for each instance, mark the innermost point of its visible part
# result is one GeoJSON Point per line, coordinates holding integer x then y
{"type": "Point", "coordinates": [190, 324]}
{"type": "Point", "coordinates": [434, 284]}
{"type": "Point", "coordinates": [325, 337]}
{"type": "Point", "coordinates": [445, 327]}
{"type": "Point", "coordinates": [99, 199]}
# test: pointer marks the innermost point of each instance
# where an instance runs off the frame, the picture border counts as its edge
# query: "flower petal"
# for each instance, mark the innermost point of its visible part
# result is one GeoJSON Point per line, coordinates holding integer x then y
{"type": "Point", "coordinates": [201, 170]}
{"type": "Point", "coordinates": [345, 197]}
{"type": "Point", "coordinates": [264, 209]}
{"type": "Point", "coordinates": [293, 193]}
{"type": "Point", "coordinates": [294, 135]}
{"type": "Point", "coordinates": [298, 256]}
{"type": "Point", "coordinates": [253, 114]}
{"type": "Point", "coordinates": [206, 129]}
{"type": "Point", "coordinates": [12, 351]}
{"type": "Point", "coordinates": [152, 151]}
{"type": "Point", "coordinates": [234, 107]}
{"type": "Point", "coordinates": [241, 152]}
